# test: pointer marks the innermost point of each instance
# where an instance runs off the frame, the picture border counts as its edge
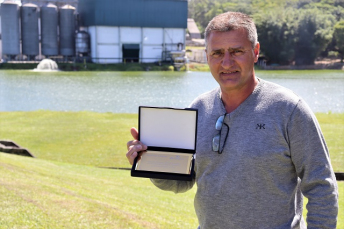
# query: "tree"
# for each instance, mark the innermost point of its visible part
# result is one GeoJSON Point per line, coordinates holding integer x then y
{"type": "Point", "coordinates": [338, 36]}
{"type": "Point", "coordinates": [202, 11]}
{"type": "Point", "coordinates": [288, 30]}
{"type": "Point", "coordinates": [314, 33]}
{"type": "Point", "coordinates": [200, 8]}
{"type": "Point", "coordinates": [276, 34]}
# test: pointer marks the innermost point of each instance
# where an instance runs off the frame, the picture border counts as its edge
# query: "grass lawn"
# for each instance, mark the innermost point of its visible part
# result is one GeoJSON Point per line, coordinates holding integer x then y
{"type": "Point", "coordinates": [332, 126]}
{"type": "Point", "coordinates": [99, 139]}
{"type": "Point", "coordinates": [37, 193]}
{"type": "Point", "coordinates": [85, 138]}
{"type": "Point", "coordinates": [63, 188]}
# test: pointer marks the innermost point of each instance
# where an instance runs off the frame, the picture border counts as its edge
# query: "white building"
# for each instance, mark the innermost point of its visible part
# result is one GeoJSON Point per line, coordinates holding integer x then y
{"type": "Point", "coordinates": [134, 30]}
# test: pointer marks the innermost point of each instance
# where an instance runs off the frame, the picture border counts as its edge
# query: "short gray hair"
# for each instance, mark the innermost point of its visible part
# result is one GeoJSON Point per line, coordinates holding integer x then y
{"type": "Point", "coordinates": [232, 21]}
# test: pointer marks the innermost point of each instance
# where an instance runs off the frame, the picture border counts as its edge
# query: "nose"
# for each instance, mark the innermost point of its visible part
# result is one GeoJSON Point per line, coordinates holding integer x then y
{"type": "Point", "coordinates": [227, 60]}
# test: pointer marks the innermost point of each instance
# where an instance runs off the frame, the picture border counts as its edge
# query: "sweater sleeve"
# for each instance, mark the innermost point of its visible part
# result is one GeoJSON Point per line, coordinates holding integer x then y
{"type": "Point", "coordinates": [173, 185]}
{"type": "Point", "coordinates": [310, 156]}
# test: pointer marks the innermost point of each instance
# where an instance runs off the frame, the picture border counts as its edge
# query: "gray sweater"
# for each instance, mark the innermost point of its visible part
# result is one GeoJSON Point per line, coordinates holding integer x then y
{"type": "Point", "coordinates": [275, 150]}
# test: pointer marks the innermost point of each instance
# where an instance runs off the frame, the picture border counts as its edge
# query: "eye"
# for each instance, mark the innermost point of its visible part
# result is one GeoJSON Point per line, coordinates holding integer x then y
{"type": "Point", "coordinates": [237, 52]}
{"type": "Point", "coordinates": [216, 54]}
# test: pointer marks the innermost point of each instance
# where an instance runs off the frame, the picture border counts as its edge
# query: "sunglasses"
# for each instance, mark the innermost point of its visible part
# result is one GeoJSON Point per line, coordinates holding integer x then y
{"type": "Point", "coordinates": [217, 139]}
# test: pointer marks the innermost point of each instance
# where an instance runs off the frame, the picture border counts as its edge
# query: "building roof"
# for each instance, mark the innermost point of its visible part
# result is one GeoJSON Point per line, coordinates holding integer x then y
{"type": "Point", "coordinates": [134, 13]}
{"type": "Point", "coordinates": [193, 29]}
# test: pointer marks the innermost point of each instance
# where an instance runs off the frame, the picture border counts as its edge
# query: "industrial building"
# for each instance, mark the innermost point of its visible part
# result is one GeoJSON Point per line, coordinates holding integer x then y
{"type": "Point", "coordinates": [134, 30]}
{"type": "Point", "coordinates": [105, 31]}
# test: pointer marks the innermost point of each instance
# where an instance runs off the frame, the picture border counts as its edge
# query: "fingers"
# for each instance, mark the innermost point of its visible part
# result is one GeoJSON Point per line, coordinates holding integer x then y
{"type": "Point", "coordinates": [133, 150]}
{"type": "Point", "coordinates": [134, 132]}
{"type": "Point", "coordinates": [134, 146]}
{"type": "Point", "coordinates": [133, 142]}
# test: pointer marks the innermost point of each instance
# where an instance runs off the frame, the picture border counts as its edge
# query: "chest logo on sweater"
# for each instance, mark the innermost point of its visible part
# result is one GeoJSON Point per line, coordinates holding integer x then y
{"type": "Point", "coordinates": [260, 126]}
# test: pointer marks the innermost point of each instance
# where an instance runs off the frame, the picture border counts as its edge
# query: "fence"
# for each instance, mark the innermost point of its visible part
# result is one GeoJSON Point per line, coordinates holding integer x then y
{"type": "Point", "coordinates": [197, 55]}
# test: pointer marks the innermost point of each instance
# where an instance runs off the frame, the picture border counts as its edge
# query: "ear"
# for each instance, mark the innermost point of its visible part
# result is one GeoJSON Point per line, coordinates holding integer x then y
{"type": "Point", "coordinates": [256, 52]}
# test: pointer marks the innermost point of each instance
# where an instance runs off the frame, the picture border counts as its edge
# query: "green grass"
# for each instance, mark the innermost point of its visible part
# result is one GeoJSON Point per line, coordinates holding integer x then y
{"type": "Point", "coordinates": [196, 67]}
{"type": "Point", "coordinates": [37, 193]}
{"type": "Point", "coordinates": [63, 188]}
{"type": "Point", "coordinates": [99, 139]}
{"type": "Point", "coordinates": [332, 125]}
{"type": "Point", "coordinates": [85, 138]}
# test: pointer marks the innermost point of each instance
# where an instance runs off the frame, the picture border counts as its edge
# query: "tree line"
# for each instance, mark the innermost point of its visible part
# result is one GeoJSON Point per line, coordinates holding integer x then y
{"type": "Point", "coordinates": [289, 31]}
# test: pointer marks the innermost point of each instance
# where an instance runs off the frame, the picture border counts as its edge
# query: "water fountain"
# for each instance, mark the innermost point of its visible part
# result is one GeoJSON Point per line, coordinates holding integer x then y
{"type": "Point", "coordinates": [47, 65]}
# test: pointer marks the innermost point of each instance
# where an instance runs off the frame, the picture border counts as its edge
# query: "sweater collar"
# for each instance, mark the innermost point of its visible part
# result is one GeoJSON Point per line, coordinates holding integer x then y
{"type": "Point", "coordinates": [247, 100]}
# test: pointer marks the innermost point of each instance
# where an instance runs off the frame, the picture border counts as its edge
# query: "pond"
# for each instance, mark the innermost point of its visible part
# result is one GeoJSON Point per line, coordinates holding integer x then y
{"type": "Point", "coordinates": [123, 92]}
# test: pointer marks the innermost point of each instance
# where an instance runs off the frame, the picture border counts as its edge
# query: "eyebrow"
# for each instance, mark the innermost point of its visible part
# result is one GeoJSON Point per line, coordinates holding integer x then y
{"type": "Point", "coordinates": [230, 49]}
{"type": "Point", "coordinates": [236, 48]}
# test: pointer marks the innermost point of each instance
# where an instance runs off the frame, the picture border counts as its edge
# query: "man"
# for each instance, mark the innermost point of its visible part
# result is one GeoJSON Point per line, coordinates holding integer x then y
{"type": "Point", "coordinates": [259, 146]}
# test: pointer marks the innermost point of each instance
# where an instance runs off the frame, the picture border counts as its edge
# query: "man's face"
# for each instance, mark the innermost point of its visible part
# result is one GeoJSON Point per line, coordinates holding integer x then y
{"type": "Point", "coordinates": [231, 59]}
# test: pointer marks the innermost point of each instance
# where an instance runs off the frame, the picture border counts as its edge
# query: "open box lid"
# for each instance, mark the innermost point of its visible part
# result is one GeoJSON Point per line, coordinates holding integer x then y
{"type": "Point", "coordinates": [168, 128]}
{"type": "Point", "coordinates": [170, 134]}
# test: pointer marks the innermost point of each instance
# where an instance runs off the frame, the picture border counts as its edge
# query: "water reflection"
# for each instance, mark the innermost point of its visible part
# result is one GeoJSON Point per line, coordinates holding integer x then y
{"type": "Point", "coordinates": [123, 92]}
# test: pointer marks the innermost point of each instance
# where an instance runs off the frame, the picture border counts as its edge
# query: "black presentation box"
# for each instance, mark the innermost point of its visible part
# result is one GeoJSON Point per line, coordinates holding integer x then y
{"type": "Point", "coordinates": [170, 135]}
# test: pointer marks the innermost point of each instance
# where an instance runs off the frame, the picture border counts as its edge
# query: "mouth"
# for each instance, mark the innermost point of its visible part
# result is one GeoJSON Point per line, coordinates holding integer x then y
{"type": "Point", "coordinates": [228, 72]}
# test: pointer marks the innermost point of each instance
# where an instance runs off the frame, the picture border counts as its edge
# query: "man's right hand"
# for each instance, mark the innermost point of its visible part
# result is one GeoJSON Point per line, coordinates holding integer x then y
{"type": "Point", "coordinates": [134, 146]}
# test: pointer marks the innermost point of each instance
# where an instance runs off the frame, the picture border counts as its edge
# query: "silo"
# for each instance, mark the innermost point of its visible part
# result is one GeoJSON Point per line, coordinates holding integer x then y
{"type": "Point", "coordinates": [10, 28]}
{"type": "Point", "coordinates": [82, 43]}
{"type": "Point", "coordinates": [49, 23]}
{"type": "Point", "coordinates": [29, 28]}
{"type": "Point", "coordinates": [67, 30]}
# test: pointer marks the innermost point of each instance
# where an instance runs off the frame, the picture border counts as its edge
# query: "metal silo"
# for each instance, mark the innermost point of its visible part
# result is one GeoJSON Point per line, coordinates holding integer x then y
{"type": "Point", "coordinates": [67, 30]}
{"type": "Point", "coordinates": [82, 43]}
{"type": "Point", "coordinates": [29, 28]}
{"type": "Point", "coordinates": [10, 28]}
{"type": "Point", "coordinates": [49, 23]}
